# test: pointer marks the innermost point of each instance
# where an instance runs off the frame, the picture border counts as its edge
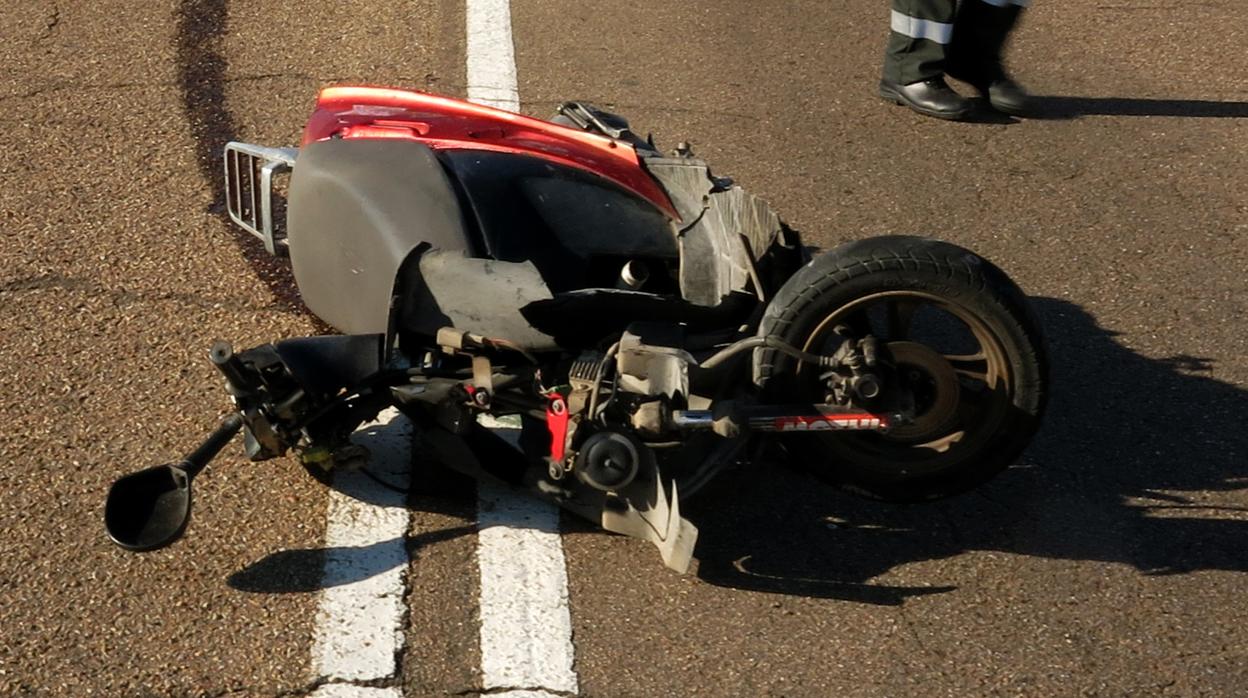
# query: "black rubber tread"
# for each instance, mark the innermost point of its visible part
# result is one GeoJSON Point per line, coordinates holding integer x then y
{"type": "Point", "coordinates": [900, 262]}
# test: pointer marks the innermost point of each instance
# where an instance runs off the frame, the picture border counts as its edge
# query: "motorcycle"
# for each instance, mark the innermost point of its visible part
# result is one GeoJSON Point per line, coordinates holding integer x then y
{"type": "Point", "coordinates": [645, 322]}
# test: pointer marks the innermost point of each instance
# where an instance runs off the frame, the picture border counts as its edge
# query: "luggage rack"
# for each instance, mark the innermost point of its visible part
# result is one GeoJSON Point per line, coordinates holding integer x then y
{"type": "Point", "coordinates": [249, 177]}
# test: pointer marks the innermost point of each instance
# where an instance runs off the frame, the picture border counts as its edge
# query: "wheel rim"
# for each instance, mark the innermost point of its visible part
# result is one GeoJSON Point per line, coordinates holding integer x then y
{"type": "Point", "coordinates": [956, 366]}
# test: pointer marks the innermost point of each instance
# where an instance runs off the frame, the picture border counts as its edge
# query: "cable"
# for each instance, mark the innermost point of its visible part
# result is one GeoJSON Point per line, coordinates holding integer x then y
{"type": "Point", "coordinates": [769, 342]}
{"type": "Point", "coordinates": [394, 488]}
{"type": "Point", "coordinates": [593, 394]}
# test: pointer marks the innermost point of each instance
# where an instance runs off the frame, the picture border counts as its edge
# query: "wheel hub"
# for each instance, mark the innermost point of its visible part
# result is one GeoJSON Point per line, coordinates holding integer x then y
{"type": "Point", "coordinates": [930, 378]}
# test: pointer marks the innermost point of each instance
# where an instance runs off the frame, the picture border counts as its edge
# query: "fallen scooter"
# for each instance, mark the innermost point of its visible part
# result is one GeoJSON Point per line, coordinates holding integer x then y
{"type": "Point", "coordinates": [643, 319]}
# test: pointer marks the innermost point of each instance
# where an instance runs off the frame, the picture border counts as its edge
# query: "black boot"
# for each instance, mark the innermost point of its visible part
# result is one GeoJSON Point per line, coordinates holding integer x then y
{"type": "Point", "coordinates": [1007, 96]}
{"type": "Point", "coordinates": [980, 32]}
{"type": "Point", "coordinates": [931, 97]}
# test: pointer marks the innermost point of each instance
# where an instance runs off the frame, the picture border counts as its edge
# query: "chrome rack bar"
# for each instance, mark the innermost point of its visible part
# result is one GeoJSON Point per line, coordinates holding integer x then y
{"type": "Point", "coordinates": [249, 196]}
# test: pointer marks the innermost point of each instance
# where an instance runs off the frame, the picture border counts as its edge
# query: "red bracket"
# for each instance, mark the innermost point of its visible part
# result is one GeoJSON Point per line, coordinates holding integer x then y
{"type": "Point", "coordinates": [557, 423]}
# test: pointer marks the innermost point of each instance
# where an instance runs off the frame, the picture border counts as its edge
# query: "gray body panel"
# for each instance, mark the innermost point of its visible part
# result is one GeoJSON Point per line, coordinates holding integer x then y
{"type": "Point", "coordinates": [357, 208]}
{"type": "Point", "coordinates": [720, 220]}
{"type": "Point", "coordinates": [484, 296]}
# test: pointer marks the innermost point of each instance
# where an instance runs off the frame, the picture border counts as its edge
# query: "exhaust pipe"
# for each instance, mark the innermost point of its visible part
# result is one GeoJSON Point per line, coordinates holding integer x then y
{"type": "Point", "coordinates": [150, 509]}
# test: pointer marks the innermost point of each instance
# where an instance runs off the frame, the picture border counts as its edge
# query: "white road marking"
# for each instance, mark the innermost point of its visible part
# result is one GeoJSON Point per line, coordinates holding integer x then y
{"type": "Point", "coordinates": [350, 690]}
{"type": "Point", "coordinates": [359, 624]}
{"type": "Point", "coordinates": [526, 627]}
{"type": "Point", "coordinates": [491, 55]}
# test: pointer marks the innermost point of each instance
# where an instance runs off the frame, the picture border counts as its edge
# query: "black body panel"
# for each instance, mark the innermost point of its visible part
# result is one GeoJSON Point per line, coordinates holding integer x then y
{"type": "Point", "coordinates": [578, 229]}
{"type": "Point", "coordinates": [357, 208]}
{"type": "Point", "coordinates": [546, 231]}
{"type": "Point", "coordinates": [328, 364]}
{"type": "Point", "coordinates": [586, 318]}
{"type": "Point", "coordinates": [516, 247]}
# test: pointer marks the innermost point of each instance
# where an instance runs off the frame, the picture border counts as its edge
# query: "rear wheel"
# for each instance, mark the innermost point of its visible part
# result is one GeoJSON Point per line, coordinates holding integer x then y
{"type": "Point", "coordinates": [962, 349]}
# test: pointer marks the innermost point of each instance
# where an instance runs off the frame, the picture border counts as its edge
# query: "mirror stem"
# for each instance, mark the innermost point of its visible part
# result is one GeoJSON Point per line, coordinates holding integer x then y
{"type": "Point", "coordinates": [197, 459]}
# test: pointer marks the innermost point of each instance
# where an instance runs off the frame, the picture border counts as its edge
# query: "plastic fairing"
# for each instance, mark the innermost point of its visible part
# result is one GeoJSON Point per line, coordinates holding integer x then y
{"type": "Point", "coordinates": [657, 519]}
{"type": "Point", "coordinates": [451, 124]}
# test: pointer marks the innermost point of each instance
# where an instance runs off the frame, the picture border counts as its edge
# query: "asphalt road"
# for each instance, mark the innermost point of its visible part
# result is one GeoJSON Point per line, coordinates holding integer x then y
{"type": "Point", "coordinates": [1111, 561]}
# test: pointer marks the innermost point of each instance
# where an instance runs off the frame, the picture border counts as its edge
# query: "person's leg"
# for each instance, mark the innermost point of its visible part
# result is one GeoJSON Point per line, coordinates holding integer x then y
{"type": "Point", "coordinates": [920, 34]}
{"type": "Point", "coordinates": [981, 29]}
{"type": "Point", "coordinates": [914, 62]}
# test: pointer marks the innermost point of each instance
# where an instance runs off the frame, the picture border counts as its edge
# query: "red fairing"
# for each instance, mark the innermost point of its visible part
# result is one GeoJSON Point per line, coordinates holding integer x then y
{"type": "Point", "coordinates": [452, 124]}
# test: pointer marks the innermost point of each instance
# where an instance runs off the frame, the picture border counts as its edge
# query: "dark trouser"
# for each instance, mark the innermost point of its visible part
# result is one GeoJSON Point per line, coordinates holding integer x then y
{"type": "Point", "coordinates": [932, 37]}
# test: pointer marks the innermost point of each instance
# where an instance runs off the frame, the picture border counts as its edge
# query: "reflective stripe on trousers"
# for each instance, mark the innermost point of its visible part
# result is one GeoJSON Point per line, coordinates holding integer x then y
{"type": "Point", "coordinates": [915, 28]}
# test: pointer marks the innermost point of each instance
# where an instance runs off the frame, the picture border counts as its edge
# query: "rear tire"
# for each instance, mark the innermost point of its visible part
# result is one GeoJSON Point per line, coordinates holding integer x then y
{"type": "Point", "coordinates": [962, 332]}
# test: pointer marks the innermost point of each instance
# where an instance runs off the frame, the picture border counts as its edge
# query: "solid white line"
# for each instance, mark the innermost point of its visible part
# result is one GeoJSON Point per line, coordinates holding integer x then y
{"type": "Point", "coordinates": [359, 623]}
{"type": "Point", "coordinates": [526, 626]}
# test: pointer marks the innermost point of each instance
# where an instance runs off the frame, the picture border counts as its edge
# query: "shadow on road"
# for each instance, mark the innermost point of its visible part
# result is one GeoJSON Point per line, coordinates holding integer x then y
{"type": "Point", "coordinates": [1129, 468]}
{"type": "Point", "coordinates": [293, 571]}
{"type": "Point", "coordinates": [1057, 107]}
{"type": "Point", "coordinates": [383, 483]}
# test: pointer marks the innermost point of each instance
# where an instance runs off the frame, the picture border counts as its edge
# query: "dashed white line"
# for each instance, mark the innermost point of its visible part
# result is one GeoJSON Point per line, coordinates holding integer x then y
{"type": "Point", "coordinates": [350, 690]}
{"type": "Point", "coordinates": [359, 622]}
{"type": "Point", "coordinates": [526, 626]}
{"type": "Point", "coordinates": [491, 55]}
